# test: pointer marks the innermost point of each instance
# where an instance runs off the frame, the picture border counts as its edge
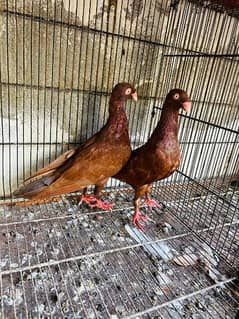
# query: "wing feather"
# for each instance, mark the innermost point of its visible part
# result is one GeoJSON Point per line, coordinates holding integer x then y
{"type": "Point", "coordinates": [59, 161]}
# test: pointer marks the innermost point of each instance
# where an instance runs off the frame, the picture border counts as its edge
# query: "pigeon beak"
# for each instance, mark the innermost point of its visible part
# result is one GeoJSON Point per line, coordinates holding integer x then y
{"type": "Point", "coordinates": [186, 106]}
{"type": "Point", "coordinates": [134, 96]}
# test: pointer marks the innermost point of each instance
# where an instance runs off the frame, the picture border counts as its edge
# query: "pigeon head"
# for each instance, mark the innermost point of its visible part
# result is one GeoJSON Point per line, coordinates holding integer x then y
{"type": "Point", "coordinates": [124, 91]}
{"type": "Point", "coordinates": [179, 99]}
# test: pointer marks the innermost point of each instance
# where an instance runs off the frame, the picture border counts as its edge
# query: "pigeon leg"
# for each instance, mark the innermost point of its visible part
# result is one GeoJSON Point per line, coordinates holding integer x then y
{"type": "Point", "coordinates": [94, 201]}
{"type": "Point", "coordinates": [88, 199]}
{"type": "Point", "coordinates": [137, 217]}
{"type": "Point", "coordinates": [150, 202]}
{"type": "Point", "coordinates": [99, 203]}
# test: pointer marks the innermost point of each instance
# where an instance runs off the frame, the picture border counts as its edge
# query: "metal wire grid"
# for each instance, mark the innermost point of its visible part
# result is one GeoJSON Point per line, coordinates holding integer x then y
{"type": "Point", "coordinates": [56, 291]}
{"type": "Point", "coordinates": [211, 209]}
{"type": "Point", "coordinates": [41, 70]}
{"type": "Point", "coordinates": [221, 6]}
{"type": "Point", "coordinates": [84, 264]}
{"type": "Point", "coordinates": [42, 270]}
{"type": "Point", "coordinates": [211, 216]}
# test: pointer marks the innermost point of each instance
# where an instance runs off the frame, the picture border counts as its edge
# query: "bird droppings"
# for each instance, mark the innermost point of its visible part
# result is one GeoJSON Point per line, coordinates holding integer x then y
{"type": "Point", "coordinates": [3, 262]}
{"type": "Point", "coordinates": [122, 281]}
{"type": "Point", "coordinates": [120, 309]}
{"type": "Point", "coordinates": [7, 300]}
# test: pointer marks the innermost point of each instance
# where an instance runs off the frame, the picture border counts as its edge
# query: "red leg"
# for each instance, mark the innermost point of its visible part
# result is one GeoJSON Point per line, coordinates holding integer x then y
{"type": "Point", "coordinates": [102, 205]}
{"type": "Point", "coordinates": [86, 199]}
{"type": "Point", "coordinates": [150, 202]}
{"type": "Point", "coordinates": [137, 217]}
{"type": "Point", "coordinates": [91, 201]}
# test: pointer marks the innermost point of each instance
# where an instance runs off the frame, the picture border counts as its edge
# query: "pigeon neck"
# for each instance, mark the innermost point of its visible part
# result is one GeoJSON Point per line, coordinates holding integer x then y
{"type": "Point", "coordinates": [168, 123]}
{"type": "Point", "coordinates": [117, 124]}
{"type": "Point", "coordinates": [116, 107]}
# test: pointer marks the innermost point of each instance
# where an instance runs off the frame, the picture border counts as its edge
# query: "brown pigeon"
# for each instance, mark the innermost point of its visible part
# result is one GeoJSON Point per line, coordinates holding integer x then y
{"type": "Point", "coordinates": [100, 157]}
{"type": "Point", "coordinates": [159, 157]}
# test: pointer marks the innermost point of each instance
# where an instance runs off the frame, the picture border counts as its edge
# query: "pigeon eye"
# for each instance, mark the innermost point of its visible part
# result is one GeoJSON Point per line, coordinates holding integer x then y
{"type": "Point", "coordinates": [176, 96]}
{"type": "Point", "coordinates": [128, 91]}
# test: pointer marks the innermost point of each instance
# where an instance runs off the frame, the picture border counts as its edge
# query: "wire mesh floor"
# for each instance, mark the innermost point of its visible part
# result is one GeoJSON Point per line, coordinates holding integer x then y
{"type": "Point", "coordinates": [59, 260]}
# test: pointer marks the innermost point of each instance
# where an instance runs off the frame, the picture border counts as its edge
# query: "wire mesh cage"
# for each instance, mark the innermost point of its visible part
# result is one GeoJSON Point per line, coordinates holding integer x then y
{"type": "Point", "coordinates": [59, 60]}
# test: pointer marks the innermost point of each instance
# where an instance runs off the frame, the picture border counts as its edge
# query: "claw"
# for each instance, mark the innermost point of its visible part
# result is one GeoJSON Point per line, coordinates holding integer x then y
{"type": "Point", "coordinates": [94, 202]}
{"type": "Point", "coordinates": [151, 203]}
{"type": "Point", "coordinates": [103, 205]}
{"type": "Point", "coordinates": [86, 199]}
{"type": "Point", "coordinates": [136, 220]}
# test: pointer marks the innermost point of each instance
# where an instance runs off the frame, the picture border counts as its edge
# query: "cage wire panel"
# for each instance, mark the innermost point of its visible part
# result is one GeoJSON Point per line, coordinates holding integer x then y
{"type": "Point", "coordinates": [59, 60]}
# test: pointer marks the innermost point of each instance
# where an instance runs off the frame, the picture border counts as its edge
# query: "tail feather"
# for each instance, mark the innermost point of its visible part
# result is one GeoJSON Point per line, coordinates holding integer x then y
{"type": "Point", "coordinates": [36, 186]}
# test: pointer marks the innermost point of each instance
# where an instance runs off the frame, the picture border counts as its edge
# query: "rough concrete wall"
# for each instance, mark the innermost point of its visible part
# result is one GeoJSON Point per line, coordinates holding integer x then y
{"type": "Point", "coordinates": [57, 57]}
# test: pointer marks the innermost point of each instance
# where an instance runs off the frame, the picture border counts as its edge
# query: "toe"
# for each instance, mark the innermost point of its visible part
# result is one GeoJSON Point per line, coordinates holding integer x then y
{"type": "Point", "coordinates": [136, 221]}
{"type": "Point", "coordinates": [104, 206]}
{"type": "Point", "coordinates": [138, 225]}
{"type": "Point", "coordinates": [142, 217]}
